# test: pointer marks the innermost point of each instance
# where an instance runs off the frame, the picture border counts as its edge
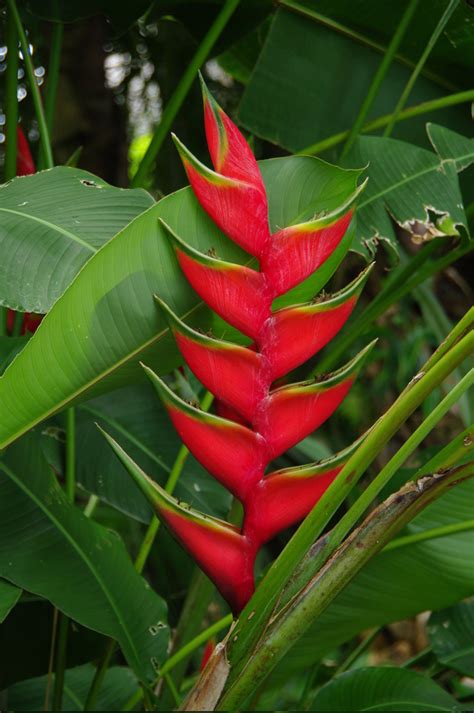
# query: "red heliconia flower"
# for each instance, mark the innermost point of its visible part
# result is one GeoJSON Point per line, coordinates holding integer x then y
{"type": "Point", "coordinates": [257, 418]}
{"type": "Point", "coordinates": [24, 160]}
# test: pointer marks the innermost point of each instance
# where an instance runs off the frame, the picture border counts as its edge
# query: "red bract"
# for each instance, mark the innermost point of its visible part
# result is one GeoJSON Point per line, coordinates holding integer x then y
{"type": "Point", "coordinates": [24, 160]}
{"type": "Point", "coordinates": [257, 419]}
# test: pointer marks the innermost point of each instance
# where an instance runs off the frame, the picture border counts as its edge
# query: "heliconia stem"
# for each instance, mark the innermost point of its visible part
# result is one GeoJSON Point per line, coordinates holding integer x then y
{"type": "Point", "coordinates": [257, 419]}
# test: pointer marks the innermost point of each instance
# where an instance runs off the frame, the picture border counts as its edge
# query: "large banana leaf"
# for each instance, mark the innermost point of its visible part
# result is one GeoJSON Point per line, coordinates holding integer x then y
{"type": "Point", "coordinates": [107, 320]}
{"type": "Point", "coordinates": [284, 104]}
{"type": "Point", "coordinates": [48, 547]}
{"type": "Point", "coordinates": [51, 224]}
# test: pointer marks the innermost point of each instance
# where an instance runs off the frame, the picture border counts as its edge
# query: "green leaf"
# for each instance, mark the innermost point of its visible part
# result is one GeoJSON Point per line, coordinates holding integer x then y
{"type": "Point", "coordinates": [403, 581]}
{"type": "Point", "coordinates": [48, 547]}
{"type": "Point", "coordinates": [451, 634]}
{"type": "Point", "coordinates": [118, 686]}
{"type": "Point", "coordinates": [9, 595]}
{"type": "Point", "coordinates": [107, 320]}
{"type": "Point", "coordinates": [383, 689]}
{"type": "Point", "coordinates": [312, 76]}
{"type": "Point", "coordinates": [416, 188]}
{"type": "Point", "coordinates": [135, 416]}
{"type": "Point", "coordinates": [52, 223]}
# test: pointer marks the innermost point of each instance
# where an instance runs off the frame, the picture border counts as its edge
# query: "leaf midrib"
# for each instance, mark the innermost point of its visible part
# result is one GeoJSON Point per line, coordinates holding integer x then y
{"type": "Point", "coordinates": [19, 483]}
{"type": "Point", "coordinates": [51, 226]}
{"type": "Point", "coordinates": [414, 176]}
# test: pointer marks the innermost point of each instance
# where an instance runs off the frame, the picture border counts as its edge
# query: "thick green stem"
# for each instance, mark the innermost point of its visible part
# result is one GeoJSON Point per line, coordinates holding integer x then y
{"type": "Point", "coordinates": [34, 89]}
{"type": "Point", "coordinates": [358, 651]}
{"type": "Point", "coordinates": [420, 64]}
{"type": "Point", "coordinates": [381, 121]}
{"type": "Point", "coordinates": [380, 75]}
{"type": "Point", "coordinates": [376, 531]}
{"type": "Point", "coordinates": [11, 111]}
{"type": "Point", "coordinates": [432, 534]}
{"type": "Point", "coordinates": [52, 79]}
{"type": "Point", "coordinates": [11, 98]}
{"type": "Point", "coordinates": [182, 90]}
{"type": "Point", "coordinates": [63, 624]}
{"type": "Point", "coordinates": [260, 608]}
{"type": "Point", "coordinates": [347, 522]}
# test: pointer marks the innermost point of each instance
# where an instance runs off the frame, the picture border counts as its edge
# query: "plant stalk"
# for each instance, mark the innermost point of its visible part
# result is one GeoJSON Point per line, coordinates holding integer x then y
{"type": "Point", "coordinates": [181, 92]}
{"type": "Point", "coordinates": [348, 560]}
{"type": "Point", "coordinates": [380, 75]}
{"type": "Point", "coordinates": [35, 92]}
{"type": "Point", "coordinates": [11, 98]}
{"type": "Point", "coordinates": [381, 121]}
{"type": "Point", "coordinates": [63, 621]}
{"type": "Point", "coordinates": [11, 111]}
{"type": "Point", "coordinates": [432, 534]}
{"type": "Point", "coordinates": [52, 79]}
{"type": "Point", "coordinates": [420, 64]}
{"type": "Point", "coordinates": [265, 598]}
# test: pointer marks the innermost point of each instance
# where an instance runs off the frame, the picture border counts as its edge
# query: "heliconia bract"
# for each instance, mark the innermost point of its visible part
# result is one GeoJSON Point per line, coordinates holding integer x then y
{"type": "Point", "coordinates": [256, 419]}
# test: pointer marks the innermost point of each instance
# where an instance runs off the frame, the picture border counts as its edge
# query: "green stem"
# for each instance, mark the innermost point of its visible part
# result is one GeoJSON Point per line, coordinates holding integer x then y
{"type": "Point", "coordinates": [369, 495]}
{"type": "Point", "coordinates": [141, 559]}
{"type": "Point", "coordinates": [380, 75]}
{"type": "Point", "coordinates": [418, 657]}
{"type": "Point", "coordinates": [34, 88]}
{"type": "Point", "coordinates": [11, 97]}
{"type": "Point", "coordinates": [358, 651]}
{"type": "Point", "coordinates": [63, 624]}
{"type": "Point", "coordinates": [309, 603]}
{"type": "Point", "coordinates": [432, 534]}
{"type": "Point", "coordinates": [420, 64]}
{"type": "Point", "coordinates": [63, 627]}
{"type": "Point", "coordinates": [196, 604]}
{"type": "Point", "coordinates": [265, 598]}
{"type": "Point", "coordinates": [99, 676]}
{"type": "Point", "coordinates": [183, 654]}
{"type": "Point", "coordinates": [71, 454]}
{"type": "Point", "coordinates": [450, 455]}
{"type": "Point", "coordinates": [52, 79]}
{"type": "Point", "coordinates": [400, 283]}
{"type": "Point", "coordinates": [381, 121]}
{"type": "Point", "coordinates": [11, 111]}
{"type": "Point", "coordinates": [308, 12]}
{"type": "Point", "coordinates": [195, 643]}
{"type": "Point", "coordinates": [351, 517]}
{"type": "Point", "coordinates": [181, 91]}
{"type": "Point", "coordinates": [91, 505]}
{"type": "Point", "coordinates": [17, 323]}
